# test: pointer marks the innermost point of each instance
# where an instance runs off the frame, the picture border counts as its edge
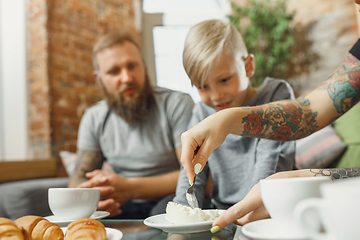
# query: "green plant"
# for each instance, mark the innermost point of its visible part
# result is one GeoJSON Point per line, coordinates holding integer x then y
{"type": "Point", "coordinates": [268, 34]}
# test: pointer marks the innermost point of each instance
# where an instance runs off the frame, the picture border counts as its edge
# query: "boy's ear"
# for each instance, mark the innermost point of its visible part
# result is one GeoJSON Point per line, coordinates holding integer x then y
{"type": "Point", "coordinates": [249, 65]}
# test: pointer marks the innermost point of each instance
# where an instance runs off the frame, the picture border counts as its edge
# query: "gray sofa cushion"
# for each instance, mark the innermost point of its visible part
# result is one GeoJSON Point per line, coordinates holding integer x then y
{"type": "Point", "coordinates": [27, 197]}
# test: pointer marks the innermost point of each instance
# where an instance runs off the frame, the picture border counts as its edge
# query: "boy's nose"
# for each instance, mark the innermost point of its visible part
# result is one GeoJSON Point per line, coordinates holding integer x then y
{"type": "Point", "coordinates": [216, 95]}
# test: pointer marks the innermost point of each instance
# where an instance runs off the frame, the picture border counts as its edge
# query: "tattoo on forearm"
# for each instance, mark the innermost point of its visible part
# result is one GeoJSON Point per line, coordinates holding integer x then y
{"type": "Point", "coordinates": [280, 121]}
{"type": "Point", "coordinates": [86, 161]}
{"type": "Point", "coordinates": [344, 88]}
{"type": "Point", "coordinates": [337, 173]}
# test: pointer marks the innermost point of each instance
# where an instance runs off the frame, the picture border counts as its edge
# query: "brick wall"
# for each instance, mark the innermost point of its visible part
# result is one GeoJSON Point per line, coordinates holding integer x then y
{"type": "Point", "coordinates": [61, 84]}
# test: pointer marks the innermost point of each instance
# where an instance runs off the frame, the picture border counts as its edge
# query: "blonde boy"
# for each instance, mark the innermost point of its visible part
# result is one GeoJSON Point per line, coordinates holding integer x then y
{"type": "Point", "coordinates": [218, 64]}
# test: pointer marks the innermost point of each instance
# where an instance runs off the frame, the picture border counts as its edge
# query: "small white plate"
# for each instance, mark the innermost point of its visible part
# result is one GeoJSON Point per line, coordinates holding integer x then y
{"type": "Point", "coordinates": [111, 233]}
{"type": "Point", "coordinates": [65, 222]}
{"type": "Point", "coordinates": [160, 222]}
{"type": "Point", "coordinates": [266, 230]}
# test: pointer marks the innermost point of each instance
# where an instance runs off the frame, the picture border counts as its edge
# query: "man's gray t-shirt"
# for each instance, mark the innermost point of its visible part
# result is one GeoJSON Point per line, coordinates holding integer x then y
{"type": "Point", "coordinates": [145, 148]}
{"type": "Point", "coordinates": [240, 162]}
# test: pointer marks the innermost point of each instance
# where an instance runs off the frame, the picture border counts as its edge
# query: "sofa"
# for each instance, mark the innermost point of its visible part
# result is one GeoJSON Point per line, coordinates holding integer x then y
{"type": "Point", "coordinates": [24, 186]}
{"type": "Point", "coordinates": [28, 197]}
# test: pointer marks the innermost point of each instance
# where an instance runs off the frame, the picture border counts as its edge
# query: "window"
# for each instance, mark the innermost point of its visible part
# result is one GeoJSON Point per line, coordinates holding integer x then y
{"type": "Point", "coordinates": [168, 48]}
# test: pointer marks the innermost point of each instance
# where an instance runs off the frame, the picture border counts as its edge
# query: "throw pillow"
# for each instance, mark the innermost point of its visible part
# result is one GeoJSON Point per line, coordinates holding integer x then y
{"type": "Point", "coordinates": [319, 149]}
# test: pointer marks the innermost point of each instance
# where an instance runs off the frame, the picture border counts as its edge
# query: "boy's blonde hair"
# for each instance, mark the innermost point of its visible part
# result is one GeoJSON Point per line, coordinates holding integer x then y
{"type": "Point", "coordinates": [207, 40]}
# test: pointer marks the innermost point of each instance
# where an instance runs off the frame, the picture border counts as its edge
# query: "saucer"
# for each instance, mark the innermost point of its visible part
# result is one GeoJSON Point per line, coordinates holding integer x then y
{"type": "Point", "coordinates": [266, 230]}
{"type": "Point", "coordinates": [111, 233]}
{"type": "Point", "coordinates": [65, 222]}
{"type": "Point", "coordinates": [160, 222]}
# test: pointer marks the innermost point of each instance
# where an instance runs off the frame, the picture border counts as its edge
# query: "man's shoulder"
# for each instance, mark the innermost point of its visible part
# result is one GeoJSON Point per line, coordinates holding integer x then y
{"type": "Point", "coordinates": [101, 105]}
{"type": "Point", "coordinates": [99, 109]}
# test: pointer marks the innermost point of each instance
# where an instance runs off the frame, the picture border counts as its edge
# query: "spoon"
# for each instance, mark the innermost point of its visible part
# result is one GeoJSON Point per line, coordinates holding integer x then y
{"type": "Point", "coordinates": [190, 195]}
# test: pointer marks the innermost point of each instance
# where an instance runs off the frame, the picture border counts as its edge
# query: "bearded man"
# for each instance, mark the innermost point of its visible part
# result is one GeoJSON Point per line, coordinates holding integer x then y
{"type": "Point", "coordinates": [136, 129]}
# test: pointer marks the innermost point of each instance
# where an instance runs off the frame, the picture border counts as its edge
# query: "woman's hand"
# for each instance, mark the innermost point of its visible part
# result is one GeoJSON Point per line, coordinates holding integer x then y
{"type": "Point", "coordinates": [251, 208]}
{"type": "Point", "coordinates": [208, 135]}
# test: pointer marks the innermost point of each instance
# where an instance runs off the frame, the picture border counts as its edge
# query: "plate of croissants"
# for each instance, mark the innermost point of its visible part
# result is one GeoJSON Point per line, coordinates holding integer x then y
{"type": "Point", "coordinates": [35, 227]}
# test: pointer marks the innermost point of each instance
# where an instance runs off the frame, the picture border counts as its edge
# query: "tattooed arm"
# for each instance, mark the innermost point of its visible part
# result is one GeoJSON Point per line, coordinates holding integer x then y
{"type": "Point", "coordinates": [86, 161]}
{"type": "Point", "coordinates": [282, 120]}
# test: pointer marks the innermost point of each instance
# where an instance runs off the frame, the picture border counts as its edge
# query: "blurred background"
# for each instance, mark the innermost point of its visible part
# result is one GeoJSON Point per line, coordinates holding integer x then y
{"type": "Point", "coordinates": [46, 79]}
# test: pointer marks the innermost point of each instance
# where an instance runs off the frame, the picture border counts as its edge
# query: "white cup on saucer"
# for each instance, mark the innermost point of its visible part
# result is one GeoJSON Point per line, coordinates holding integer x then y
{"type": "Point", "coordinates": [280, 197]}
{"type": "Point", "coordinates": [338, 211]}
{"type": "Point", "coordinates": [73, 203]}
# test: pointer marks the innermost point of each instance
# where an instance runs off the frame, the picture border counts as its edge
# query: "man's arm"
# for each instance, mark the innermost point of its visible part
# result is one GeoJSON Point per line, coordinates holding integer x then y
{"type": "Point", "coordinates": [124, 189]}
{"type": "Point", "coordinates": [282, 120]}
{"type": "Point", "coordinates": [155, 187]}
{"type": "Point", "coordinates": [86, 161]}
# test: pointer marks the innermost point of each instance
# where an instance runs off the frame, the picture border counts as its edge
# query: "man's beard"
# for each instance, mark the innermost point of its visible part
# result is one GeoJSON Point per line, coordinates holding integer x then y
{"type": "Point", "coordinates": [131, 108]}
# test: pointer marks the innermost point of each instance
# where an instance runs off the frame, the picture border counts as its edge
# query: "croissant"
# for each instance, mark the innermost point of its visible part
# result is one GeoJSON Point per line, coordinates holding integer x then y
{"type": "Point", "coordinates": [38, 228]}
{"type": "Point", "coordinates": [9, 230]}
{"type": "Point", "coordinates": [85, 229]}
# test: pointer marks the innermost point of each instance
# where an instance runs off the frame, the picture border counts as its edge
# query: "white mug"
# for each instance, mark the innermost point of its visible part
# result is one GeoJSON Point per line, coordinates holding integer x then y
{"type": "Point", "coordinates": [338, 211]}
{"type": "Point", "coordinates": [280, 197]}
{"type": "Point", "coordinates": [73, 203]}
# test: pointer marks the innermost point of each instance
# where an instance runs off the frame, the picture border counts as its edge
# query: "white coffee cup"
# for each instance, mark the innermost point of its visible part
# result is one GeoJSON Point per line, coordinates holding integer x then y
{"type": "Point", "coordinates": [338, 211]}
{"type": "Point", "coordinates": [73, 203]}
{"type": "Point", "coordinates": [280, 197]}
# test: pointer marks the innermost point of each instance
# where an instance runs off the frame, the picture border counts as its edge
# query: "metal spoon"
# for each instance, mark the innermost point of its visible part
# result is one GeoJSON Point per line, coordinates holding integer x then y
{"type": "Point", "coordinates": [190, 195]}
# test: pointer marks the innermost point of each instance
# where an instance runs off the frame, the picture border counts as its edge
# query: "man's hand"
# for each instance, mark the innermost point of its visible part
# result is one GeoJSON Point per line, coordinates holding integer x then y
{"type": "Point", "coordinates": [114, 191]}
{"type": "Point", "coordinates": [107, 201]}
{"type": "Point", "coordinates": [122, 191]}
{"type": "Point", "coordinates": [111, 206]}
